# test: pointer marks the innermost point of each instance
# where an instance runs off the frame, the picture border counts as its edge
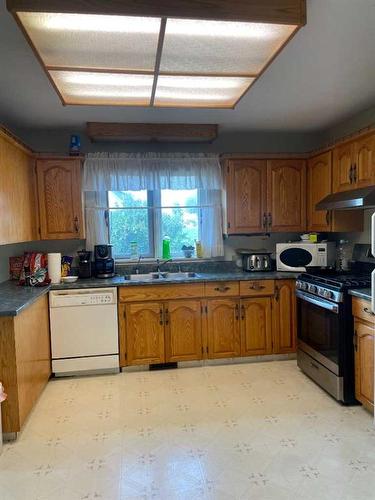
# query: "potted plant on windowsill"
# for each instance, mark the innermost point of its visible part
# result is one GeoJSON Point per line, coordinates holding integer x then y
{"type": "Point", "coordinates": [188, 251]}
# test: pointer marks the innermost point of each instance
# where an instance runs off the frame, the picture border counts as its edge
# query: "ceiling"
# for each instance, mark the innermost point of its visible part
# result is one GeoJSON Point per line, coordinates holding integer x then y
{"type": "Point", "coordinates": [324, 75]}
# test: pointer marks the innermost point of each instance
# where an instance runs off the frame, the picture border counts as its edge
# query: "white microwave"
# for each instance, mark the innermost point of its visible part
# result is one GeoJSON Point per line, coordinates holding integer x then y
{"type": "Point", "coordinates": [301, 255]}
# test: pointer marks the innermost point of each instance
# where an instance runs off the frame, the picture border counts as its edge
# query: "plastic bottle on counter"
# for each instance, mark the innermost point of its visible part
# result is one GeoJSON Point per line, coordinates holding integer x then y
{"type": "Point", "coordinates": [166, 250]}
{"type": "Point", "coordinates": [198, 249]}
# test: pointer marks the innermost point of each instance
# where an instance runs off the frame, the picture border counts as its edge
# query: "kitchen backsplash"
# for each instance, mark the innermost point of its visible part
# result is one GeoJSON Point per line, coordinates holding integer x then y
{"type": "Point", "coordinates": [70, 247]}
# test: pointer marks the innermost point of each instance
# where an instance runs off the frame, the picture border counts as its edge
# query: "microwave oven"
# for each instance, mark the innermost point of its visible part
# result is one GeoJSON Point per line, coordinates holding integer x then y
{"type": "Point", "coordinates": [301, 255]}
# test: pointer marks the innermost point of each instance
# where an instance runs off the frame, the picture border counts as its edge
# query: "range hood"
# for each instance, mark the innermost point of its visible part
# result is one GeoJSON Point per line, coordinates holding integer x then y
{"type": "Point", "coordinates": [356, 198]}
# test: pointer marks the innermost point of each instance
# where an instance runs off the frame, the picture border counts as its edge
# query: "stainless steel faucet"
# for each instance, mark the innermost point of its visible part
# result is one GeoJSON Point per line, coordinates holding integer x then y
{"type": "Point", "coordinates": [159, 264]}
{"type": "Point", "coordinates": [137, 266]}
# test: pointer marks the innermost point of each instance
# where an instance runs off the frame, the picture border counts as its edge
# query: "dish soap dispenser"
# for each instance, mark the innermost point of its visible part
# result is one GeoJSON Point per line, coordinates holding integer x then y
{"type": "Point", "coordinates": [166, 252]}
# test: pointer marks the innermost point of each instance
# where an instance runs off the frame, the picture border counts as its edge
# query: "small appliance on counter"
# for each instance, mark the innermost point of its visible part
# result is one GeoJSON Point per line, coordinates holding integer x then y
{"type": "Point", "coordinates": [104, 263]}
{"type": "Point", "coordinates": [300, 255]}
{"type": "Point", "coordinates": [255, 260]}
{"type": "Point", "coordinates": [84, 264]}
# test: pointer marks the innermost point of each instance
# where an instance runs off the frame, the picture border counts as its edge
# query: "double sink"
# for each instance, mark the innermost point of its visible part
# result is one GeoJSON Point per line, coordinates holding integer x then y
{"type": "Point", "coordinates": [159, 276]}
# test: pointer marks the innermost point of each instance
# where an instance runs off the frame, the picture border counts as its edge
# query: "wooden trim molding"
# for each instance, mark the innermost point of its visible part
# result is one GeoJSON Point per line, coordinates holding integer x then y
{"type": "Point", "coordinates": [159, 132]}
{"type": "Point", "coordinates": [269, 11]}
{"type": "Point", "coordinates": [8, 135]}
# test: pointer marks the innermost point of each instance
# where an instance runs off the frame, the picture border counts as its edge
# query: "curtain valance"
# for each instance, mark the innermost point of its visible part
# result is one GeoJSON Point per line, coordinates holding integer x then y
{"type": "Point", "coordinates": [151, 171]}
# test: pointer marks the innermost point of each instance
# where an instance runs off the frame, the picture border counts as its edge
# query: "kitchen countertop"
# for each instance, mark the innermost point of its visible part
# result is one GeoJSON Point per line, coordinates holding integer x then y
{"type": "Point", "coordinates": [15, 298]}
{"type": "Point", "coordinates": [362, 293]}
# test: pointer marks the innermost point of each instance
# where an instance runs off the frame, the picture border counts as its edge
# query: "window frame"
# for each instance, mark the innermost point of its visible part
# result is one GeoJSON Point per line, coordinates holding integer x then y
{"type": "Point", "coordinates": [154, 209]}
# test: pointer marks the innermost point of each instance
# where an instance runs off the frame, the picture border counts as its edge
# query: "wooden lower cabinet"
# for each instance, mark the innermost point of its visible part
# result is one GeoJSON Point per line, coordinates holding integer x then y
{"type": "Point", "coordinates": [223, 328]}
{"type": "Point", "coordinates": [256, 326]}
{"type": "Point", "coordinates": [144, 329]}
{"type": "Point", "coordinates": [183, 330]}
{"type": "Point", "coordinates": [364, 363]}
{"type": "Point", "coordinates": [25, 362]}
{"type": "Point", "coordinates": [284, 317]}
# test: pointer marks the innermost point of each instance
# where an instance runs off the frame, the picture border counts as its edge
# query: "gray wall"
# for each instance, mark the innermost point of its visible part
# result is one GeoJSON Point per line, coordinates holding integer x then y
{"type": "Point", "coordinates": [350, 125]}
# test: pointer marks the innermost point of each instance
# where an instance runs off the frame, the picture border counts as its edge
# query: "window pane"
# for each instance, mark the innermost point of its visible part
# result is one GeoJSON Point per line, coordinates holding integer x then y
{"type": "Point", "coordinates": [181, 225]}
{"type": "Point", "coordinates": [130, 225]}
{"type": "Point", "coordinates": [180, 197]}
{"type": "Point", "coordinates": [127, 199]}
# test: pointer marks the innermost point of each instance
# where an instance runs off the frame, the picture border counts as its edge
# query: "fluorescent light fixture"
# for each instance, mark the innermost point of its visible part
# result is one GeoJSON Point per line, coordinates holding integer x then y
{"type": "Point", "coordinates": [122, 54]}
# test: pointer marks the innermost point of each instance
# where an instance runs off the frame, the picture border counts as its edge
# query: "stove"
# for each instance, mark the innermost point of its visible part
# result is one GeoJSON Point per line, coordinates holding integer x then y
{"type": "Point", "coordinates": [325, 324]}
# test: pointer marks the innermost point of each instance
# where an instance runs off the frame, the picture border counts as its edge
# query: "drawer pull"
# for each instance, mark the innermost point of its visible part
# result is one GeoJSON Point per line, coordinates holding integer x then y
{"type": "Point", "coordinates": [222, 288]}
{"type": "Point", "coordinates": [237, 311]}
{"type": "Point", "coordinates": [368, 311]}
{"type": "Point", "coordinates": [314, 366]}
{"type": "Point", "coordinates": [161, 316]}
{"type": "Point", "coordinates": [256, 286]}
{"type": "Point", "coordinates": [167, 317]}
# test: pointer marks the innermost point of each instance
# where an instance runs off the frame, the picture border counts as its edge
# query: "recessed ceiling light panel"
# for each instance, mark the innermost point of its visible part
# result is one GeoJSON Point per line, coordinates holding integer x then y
{"type": "Point", "coordinates": [196, 91]}
{"type": "Point", "coordinates": [93, 41]}
{"type": "Point", "coordinates": [112, 89]}
{"type": "Point", "coordinates": [218, 47]}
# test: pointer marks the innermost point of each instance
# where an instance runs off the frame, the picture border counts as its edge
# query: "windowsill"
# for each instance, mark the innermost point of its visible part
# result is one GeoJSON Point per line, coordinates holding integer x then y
{"type": "Point", "coordinates": [179, 260]}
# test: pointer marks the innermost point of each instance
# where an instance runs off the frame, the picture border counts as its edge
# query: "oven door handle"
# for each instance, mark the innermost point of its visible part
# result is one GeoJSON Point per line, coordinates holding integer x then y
{"type": "Point", "coordinates": [318, 302]}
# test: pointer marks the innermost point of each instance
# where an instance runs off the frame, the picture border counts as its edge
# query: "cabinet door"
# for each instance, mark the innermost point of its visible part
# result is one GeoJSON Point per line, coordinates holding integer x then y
{"type": "Point", "coordinates": [286, 195]}
{"type": "Point", "coordinates": [223, 328]}
{"type": "Point", "coordinates": [144, 333]}
{"type": "Point", "coordinates": [60, 199]}
{"type": "Point", "coordinates": [364, 165]}
{"type": "Point", "coordinates": [183, 330]}
{"type": "Point", "coordinates": [246, 196]}
{"type": "Point", "coordinates": [364, 364]}
{"type": "Point", "coordinates": [342, 168]}
{"type": "Point", "coordinates": [256, 326]}
{"type": "Point", "coordinates": [319, 185]}
{"type": "Point", "coordinates": [284, 317]}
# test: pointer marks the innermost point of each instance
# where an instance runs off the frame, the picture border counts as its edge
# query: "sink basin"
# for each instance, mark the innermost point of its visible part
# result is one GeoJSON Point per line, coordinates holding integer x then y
{"type": "Point", "coordinates": [159, 276]}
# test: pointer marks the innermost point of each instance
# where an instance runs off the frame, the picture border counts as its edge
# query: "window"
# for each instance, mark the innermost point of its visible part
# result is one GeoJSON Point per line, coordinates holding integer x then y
{"type": "Point", "coordinates": [147, 216]}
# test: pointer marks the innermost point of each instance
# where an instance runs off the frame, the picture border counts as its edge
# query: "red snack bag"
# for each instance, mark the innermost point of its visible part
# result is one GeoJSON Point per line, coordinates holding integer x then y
{"type": "Point", "coordinates": [34, 272]}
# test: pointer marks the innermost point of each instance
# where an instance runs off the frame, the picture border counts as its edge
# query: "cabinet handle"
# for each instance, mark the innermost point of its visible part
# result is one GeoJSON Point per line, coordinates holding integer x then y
{"type": "Point", "coordinates": [314, 366]}
{"type": "Point", "coordinates": [277, 293]}
{"type": "Point", "coordinates": [368, 311]}
{"type": "Point", "coordinates": [328, 217]}
{"type": "Point", "coordinates": [256, 286]}
{"type": "Point", "coordinates": [161, 316]}
{"type": "Point", "coordinates": [166, 316]}
{"type": "Point", "coordinates": [351, 174]}
{"type": "Point", "coordinates": [355, 173]}
{"type": "Point", "coordinates": [269, 220]}
{"type": "Point", "coordinates": [76, 224]}
{"type": "Point", "coordinates": [242, 312]}
{"type": "Point", "coordinates": [355, 340]}
{"type": "Point", "coordinates": [237, 311]}
{"type": "Point", "coordinates": [265, 221]}
{"type": "Point", "coordinates": [222, 289]}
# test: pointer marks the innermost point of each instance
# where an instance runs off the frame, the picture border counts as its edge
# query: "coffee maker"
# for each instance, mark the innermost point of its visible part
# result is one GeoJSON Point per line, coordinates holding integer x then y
{"type": "Point", "coordinates": [84, 264]}
{"type": "Point", "coordinates": [104, 264]}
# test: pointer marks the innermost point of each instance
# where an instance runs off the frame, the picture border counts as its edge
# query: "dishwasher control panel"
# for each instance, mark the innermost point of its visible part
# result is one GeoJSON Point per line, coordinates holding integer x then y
{"type": "Point", "coordinates": [83, 297]}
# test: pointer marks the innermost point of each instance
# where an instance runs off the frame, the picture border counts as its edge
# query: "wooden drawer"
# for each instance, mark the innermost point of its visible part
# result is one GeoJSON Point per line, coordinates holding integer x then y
{"type": "Point", "coordinates": [160, 292]}
{"type": "Point", "coordinates": [361, 308]}
{"type": "Point", "coordinates": [222, 289]}
{"type": "Point", "coordinates": [257, 288]}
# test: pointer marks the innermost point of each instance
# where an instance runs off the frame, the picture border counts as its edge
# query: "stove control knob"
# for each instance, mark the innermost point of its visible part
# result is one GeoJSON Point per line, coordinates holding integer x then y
{"type": "Point", "coordinates": [328, 294]}
{"type": "Point", "coordinates": [304, 286]}
{"type": "Point", "coordinates": [298, 285]}
{"type": "Point", "coordinates": [312, 288]}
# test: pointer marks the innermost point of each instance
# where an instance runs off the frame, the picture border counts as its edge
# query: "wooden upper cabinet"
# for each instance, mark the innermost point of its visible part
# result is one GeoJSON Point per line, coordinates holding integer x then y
{"type": "Point", "coordinates": [17, 192]}
{"type": "Point", "coordinates": [286, 195]}
{"type": "Point", "coordinates": [246, 195]}
{"type": "Point", "coordinates": [223, 328]}
{"type": "Point", "coordinates": [256, 326]}
{"type": "Point", "coordinates": [343, 167]}
{"type": "Point", "coordinates": [284, 317]}
{"type": "Point", "coordinates": [60, 199]}
{"type": "Point", "coordinates": [364, 161]}
{"type": "Point", "coordinates": [319, 185]}
{"type": "Point", "coordinates": [144, 333]}
{"type": "Point", "coordinates": [183, 330]}
{"type": "Point", "coordinates": [364, 364]}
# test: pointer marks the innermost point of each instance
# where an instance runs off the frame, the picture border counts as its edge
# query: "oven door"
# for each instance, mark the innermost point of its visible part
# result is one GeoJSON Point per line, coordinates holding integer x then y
{"type": "Point", "coordinates": [319, 328]}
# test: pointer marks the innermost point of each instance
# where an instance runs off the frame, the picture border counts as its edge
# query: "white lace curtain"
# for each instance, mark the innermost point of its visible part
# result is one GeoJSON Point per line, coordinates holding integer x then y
{"type": "Point", "coordinates": [151, 171]}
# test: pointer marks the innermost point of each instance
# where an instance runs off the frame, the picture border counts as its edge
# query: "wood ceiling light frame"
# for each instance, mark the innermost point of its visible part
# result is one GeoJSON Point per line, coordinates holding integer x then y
{"type": "Point", "coordinates": [288, 12]}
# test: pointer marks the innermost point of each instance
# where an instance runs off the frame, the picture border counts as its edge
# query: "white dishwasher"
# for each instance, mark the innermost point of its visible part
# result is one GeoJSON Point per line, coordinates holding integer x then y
{"type": "Point", "coordinates": [84, 330]}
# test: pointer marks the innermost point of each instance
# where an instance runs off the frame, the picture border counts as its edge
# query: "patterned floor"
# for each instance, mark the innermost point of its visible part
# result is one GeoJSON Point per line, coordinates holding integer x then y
{"type": "Point", "coordinates": [248, 431]}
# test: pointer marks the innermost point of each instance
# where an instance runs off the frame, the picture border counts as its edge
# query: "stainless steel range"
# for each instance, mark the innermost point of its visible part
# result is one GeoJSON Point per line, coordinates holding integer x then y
{"type": "Point", "coordinates": [325, 324]}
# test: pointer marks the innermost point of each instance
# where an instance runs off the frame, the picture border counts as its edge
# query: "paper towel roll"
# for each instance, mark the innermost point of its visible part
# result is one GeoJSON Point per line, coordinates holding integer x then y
{"type": "Point", "coordinates": [54, 267]}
